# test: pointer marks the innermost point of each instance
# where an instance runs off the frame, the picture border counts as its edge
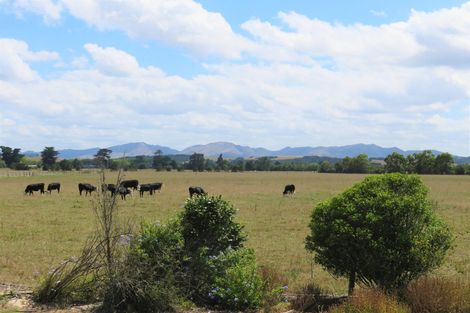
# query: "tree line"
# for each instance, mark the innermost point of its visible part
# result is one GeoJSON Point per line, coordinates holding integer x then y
{"type": "Point", "coordinates": [424, 162]}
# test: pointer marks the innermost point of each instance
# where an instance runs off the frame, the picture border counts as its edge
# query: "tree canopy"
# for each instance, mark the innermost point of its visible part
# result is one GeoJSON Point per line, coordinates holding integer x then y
{"type": "Point", "coordinates": [381, 231]}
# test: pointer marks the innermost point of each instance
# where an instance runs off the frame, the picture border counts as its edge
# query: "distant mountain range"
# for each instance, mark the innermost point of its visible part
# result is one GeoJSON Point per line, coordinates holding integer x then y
{"type": "Point", "coordinates": [230, 150]}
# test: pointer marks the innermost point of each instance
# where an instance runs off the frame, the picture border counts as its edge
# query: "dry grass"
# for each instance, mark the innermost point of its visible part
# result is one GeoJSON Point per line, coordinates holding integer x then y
{"type": "Point", "coordinates": [37, 232]}
{"type": "Point", "coordinates": [371, 301]}
{"type": "Point", "coordinates": [438, 295]}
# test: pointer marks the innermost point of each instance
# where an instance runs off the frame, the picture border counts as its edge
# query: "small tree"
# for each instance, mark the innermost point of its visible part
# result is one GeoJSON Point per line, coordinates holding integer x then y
{"type": "Point", "coordinates": [382, 231]}
{"type": "Point", "coordinates": [11, 156]}
{"type": "Point", "coordinates": [197, 162]}
{"type": "Point", "coordinates": [102, 158]}
{"type": "Point", "coordinates": [443, 163]}
{"type": "Point", "coordinates": [395, 163]}
{"type": "Point", "coordinates": [48, 158]}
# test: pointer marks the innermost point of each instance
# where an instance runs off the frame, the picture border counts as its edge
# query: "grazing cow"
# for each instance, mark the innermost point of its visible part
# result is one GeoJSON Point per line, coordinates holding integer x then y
{"type": "Point", "coordinates": [53, 186]}
{"type": "Point", "coordinates": [109, 187]}
{"type": "Point", "coordinates": [143, 188]}
{"type": "Point", "coordinates": [123, 192]}
{"type": "Point", "coordinates": [155, 187]}
{"type": "Point", "coordinates": [34, 187]}
{"type": "Point", "coordinates": [133, 183]}
{"type": "Point", "coordinates": [289, 190]}
{"type": "Point", "coordinates": [194, 190]}
{"type": "Point", "coordinates": [87, 187]}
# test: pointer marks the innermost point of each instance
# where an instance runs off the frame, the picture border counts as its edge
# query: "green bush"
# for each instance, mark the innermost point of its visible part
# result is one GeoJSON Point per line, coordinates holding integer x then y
{"type": "Point", "coordinates": [382, 231]}
{"type": "Point", "coordinates": [151, 278]}
{"type": "Point", "coordinates": [209, 230]}
{"type": "Point", "coordinates": [239, 285]}
{"type": "Point", "coordinates": [371, 301]}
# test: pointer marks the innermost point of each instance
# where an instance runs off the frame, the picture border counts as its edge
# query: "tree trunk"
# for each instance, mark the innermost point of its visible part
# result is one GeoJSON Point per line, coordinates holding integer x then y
{"type": "Point", "coordinates": [352, 282]}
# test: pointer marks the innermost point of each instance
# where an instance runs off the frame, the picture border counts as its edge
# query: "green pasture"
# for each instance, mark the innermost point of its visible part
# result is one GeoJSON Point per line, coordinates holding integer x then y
{"type": "Point", "coordinates": [37, 232]}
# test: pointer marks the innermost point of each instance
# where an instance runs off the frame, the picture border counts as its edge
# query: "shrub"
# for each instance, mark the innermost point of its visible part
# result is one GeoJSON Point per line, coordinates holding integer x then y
{"type": "Point", "coordinates": [239, 285]}
{"type": "Point", "coordinates": [150, 278]}
{"type": "Point", "coordinates": [438, 295]}
{"type": "Point", "coordinates": [370, 301]}
{"type": "Point", "coordinates": [382, 231]}
{"type": "Point", "coordinates": [273, 288]}
{"type": "Point", "coordinates": [209, 230]}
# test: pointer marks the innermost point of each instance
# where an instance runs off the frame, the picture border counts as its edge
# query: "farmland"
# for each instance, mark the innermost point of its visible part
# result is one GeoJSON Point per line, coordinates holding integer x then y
{"type": "Point", "coordinates": [37, 232]}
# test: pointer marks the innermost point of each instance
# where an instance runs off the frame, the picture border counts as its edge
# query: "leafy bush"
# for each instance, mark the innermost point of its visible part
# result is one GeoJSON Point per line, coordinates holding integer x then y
{"type": "Point", "coordinates": [382, 231]}
{"type": "Point", "coordinates": [438, 295]}
{"type": "Point", "coordinates": [209, 230]}
{"type": "Point", "coordinates": [238, 286]}
{"type": "Point", "coordinates": [370, 301]}
{"type": "Point", "coordinates": [150, 278]}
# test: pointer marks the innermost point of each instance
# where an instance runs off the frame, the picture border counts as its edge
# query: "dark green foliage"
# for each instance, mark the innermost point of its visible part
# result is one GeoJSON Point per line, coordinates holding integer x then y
{"type": "Point", "coordinates": [66, 165]}
{"type": "Point", "coordinates": [395, 163]}
{"type": "Point", "coordinates": [151, 278]}
{"type": "Point", "coordinates": [359, 164]}
{"type": "Point", "coordinates": [209, 229]}
{"type": "Point", "coordinates": [11, 156]}
{"type": "Point", "coordinates": [443, 163]}
{"type": "Point", "coordinates": [382, 231]}
{"type": "Point", "coordinates": [208, 223]}
{"type": "Point", "coordinates": [239, 286]}
{"type": "Point", "coordinates": [102, 158]}
{"type": "Point", "coordinates": [196, 162]}
{"type": "Point", "coordinates": [49, 158]}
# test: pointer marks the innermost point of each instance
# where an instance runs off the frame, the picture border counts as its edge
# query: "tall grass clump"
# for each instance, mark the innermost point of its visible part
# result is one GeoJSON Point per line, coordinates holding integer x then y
{"type": "Point", "coordinates": [438, 295]}
{"type": "Point", "coordinates": [371, 301]}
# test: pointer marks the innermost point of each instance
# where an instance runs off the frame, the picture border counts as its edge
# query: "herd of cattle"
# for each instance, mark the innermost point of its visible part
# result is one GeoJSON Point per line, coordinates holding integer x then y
{"type": "Point", "coordinates": [124, 188]}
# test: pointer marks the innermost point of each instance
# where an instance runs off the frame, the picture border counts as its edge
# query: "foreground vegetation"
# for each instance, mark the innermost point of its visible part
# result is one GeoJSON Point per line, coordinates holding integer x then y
{"type": "Point", "coordinates": [39, 231]}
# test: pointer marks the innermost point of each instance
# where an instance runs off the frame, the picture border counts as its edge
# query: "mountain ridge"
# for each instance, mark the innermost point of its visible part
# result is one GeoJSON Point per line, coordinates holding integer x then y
{"type": "Point", "coordinates": [231, 150]}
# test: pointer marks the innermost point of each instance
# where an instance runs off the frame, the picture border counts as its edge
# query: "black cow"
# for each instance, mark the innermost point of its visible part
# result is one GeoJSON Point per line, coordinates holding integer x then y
{"type": "Point", "coordinates": [133, 183]}
{"type": "Point", "coordinates": [195, 190]}
{"type": "Point", "coordinates": [289, 190]}
{"type": "Point", "coordinates": [53, 186]}
{"type": "Point", "coordinates": [34, 187]}
{"type": "Point", "coordinates": [87, 187]}
{"type": "Point", "coordinates": [109, 187]}
{"type": "Point", "coordinates": [143, 188]}
{"type": "Point", "coordinates": [123, 192]}
{"type": "Point", "coordinates": [155, 187]}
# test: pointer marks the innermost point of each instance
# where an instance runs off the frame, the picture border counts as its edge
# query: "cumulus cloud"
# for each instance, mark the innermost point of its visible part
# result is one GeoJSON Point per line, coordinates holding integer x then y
{"type": "Point", "coordinates": [14, 58]}
{"type": "Point", "coordinates": [48, 9]}
{"type": "Point", "coordinates": [111, 61]}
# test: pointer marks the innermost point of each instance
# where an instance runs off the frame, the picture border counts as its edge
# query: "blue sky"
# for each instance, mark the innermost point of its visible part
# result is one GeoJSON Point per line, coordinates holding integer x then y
{"type": "Point", "coordinates": [78, 74]}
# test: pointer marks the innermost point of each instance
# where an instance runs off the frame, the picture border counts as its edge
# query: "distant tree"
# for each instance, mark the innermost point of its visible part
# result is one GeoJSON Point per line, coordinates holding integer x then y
{"type": "Point", "coordinates": [425, 162]}
{"type": "Point", "coordinates": [66, 165]}
{"type": "Point", "coordinates": [196, 162]}
{"type": "Point", "coordinates": [139, 162]}
{"type": "Point", "coordinates": [76, 164]}
{"type": "Point", "coordinates": [102, 158]}
{"type": "Point", "coordinates": [49, 158]}
{"type": "Point", "coordinates": [263, 164]}
{"type": "Point", "coordinates": [395, 163]}
{"type": "Point", "coordinates": [443, 163]}
{"type": "Point", "coordinates": [160, 161]}
{"type": "Point", "coordinates": [411, 163]}
{"type": "Point", "coordinates": [250, 165]}
{"type": "Point", "coordinates": [460, 169]}
{"type": "Point", "coordinates": [326, 167]}
{"type": "Point", "coordinates": [11, 156]}
{"type": "Point", "coordinates": [220, 164]}
{"type": "Point", "coordinates": [238, 165]}
{"type": "Point", "coordinates": [382, 231]}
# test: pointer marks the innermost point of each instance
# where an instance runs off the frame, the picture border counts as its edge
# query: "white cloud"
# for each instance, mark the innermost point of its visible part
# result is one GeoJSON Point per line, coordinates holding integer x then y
{"type": "Point", "coordinates": [48, 9]}
{"type": "Point", "coordinates": [179, 22]}
{"type": "Point", "coordinates": [306, 82]}
{"type": "Point", "coordinates": [14, 58]}
{"type": "Point", "coordinates": [378, 13]}
{"type": "Point", "coordinates": [111, 61]}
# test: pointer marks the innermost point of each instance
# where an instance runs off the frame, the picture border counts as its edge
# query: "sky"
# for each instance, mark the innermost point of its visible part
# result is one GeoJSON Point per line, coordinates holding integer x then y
{"type": "Point", "coordinates": [265, 73]}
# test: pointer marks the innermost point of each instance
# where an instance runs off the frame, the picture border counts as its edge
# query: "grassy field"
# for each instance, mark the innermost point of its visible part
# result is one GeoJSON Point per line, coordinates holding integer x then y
{"type": "Point", "coordinates": [37, 232]}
